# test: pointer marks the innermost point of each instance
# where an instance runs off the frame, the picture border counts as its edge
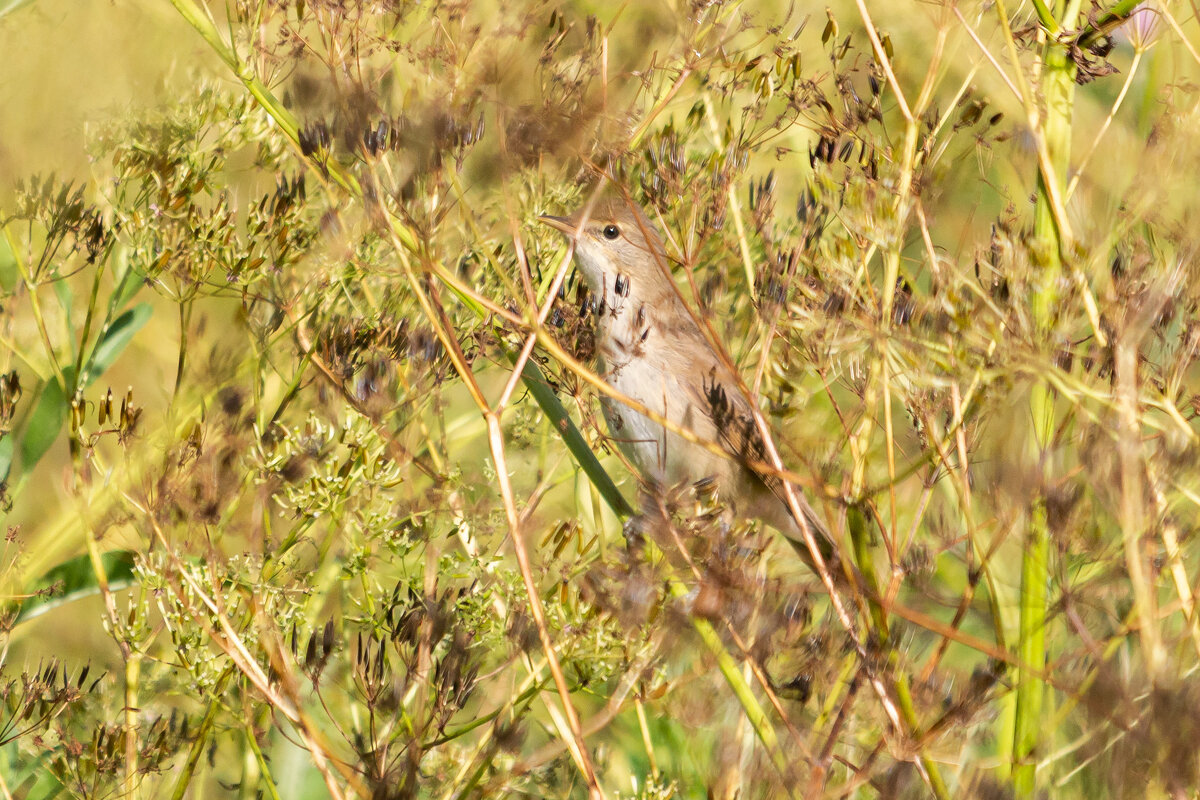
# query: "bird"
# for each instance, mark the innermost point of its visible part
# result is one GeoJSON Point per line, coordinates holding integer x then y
{"type": "Point", "coordinates": [652, 350]}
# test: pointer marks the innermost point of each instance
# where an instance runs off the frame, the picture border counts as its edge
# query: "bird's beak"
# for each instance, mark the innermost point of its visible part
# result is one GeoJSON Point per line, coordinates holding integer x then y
{"type": "Point", "coordinates": [561, 224]}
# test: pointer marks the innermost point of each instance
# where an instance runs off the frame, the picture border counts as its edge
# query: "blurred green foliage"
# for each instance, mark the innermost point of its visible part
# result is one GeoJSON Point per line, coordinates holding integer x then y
{"type": "Point", "coordinates": [315, 271]}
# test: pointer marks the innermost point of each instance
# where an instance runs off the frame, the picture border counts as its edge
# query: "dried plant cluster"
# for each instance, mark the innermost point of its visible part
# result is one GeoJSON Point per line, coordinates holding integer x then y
{"type": "Point", "coordinates": [348, 531]}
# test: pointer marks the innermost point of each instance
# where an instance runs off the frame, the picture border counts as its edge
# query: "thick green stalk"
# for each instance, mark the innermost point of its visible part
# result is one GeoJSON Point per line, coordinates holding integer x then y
{"type": "Point", "coordinates": [1031, 648]}
{"type": "Point", "coordinates": [1049, 247]}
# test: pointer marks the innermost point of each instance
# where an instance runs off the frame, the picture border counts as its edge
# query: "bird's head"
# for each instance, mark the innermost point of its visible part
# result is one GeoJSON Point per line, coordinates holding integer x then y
{"type": "Point", "coordinates": [613, 237]}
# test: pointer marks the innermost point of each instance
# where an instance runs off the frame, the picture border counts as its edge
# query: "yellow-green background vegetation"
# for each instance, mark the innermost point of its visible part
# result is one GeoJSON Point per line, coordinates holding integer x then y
{"type": "Point", "coordinates": [304, 484]}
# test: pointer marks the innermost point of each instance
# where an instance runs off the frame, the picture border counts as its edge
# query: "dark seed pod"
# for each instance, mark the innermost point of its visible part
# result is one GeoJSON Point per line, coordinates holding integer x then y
{"type": "Point", "coordinates": [903, 307]}
{"type": "Point", "coordinates": [314, 138]}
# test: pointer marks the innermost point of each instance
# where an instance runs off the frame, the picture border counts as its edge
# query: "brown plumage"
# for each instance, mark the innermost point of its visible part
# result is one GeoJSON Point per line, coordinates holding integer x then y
{"type": "Point", "coordinates": [652, 351]}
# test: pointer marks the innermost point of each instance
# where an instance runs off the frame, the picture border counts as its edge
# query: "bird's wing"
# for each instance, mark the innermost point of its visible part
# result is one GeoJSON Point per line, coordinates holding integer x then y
{"type": "Point", "coordinates": [719, 396]}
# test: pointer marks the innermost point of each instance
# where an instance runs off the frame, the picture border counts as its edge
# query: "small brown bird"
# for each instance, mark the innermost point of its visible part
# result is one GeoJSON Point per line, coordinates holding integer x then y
{"type": "Point", "coordinates": [652, 351]}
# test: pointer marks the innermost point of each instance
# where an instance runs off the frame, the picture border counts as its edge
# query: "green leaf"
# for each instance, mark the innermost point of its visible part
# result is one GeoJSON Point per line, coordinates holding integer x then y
{"type": "Point", "coordinates": [536, 383]}
{"type": "Point", "coordinates": [74, 579]}
{"type": "Point", "coordinates": [66, 300]}
{"type": "Point", "coordinates": [9, 276]}
{"type": "Point", "coordinates": [115, 338]}
{"type": "Point", "coordinates": [129, 280]}
{"type": "Point", "coordinates": [44, 423]}
{"type": "Point", "coordinates": [7, 450]}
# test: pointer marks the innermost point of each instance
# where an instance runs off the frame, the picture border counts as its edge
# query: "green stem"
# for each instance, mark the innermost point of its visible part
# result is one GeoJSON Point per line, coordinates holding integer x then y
{"type": "Point", "coordinates": [1046, 17]}
{"type": "Point", "coordinates": [1031, 647]}
{"type": "Point", "coordinates": [133, 675]}
{"type": "Point", "coordinates": [1108, 22]}
{"type": "Point", "coordinates": [257, 772]}
{"type": "Point", "coordinates": [201, 741]}
{"type": "Point", "coordinates": [1050, 247]}
{"type": "Point", "coordinates": [185, 318]}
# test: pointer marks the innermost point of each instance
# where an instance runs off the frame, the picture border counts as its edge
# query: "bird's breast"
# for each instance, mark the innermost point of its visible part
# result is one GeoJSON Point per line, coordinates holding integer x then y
{"type": "Point", "coordinates": [662, 389]}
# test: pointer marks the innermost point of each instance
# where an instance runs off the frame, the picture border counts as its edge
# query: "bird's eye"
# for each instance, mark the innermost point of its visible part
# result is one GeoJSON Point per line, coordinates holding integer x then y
{"type": "Point", "coordinates": [611, 232]}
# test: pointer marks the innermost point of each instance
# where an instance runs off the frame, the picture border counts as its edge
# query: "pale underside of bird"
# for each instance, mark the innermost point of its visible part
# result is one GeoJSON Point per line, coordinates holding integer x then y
{"type": "Point", "coordinates": [652, 351]}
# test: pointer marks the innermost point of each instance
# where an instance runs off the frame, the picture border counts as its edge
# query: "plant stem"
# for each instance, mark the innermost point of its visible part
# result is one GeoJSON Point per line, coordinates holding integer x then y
{"type": "Point", "coordinates": [1050, 244]}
